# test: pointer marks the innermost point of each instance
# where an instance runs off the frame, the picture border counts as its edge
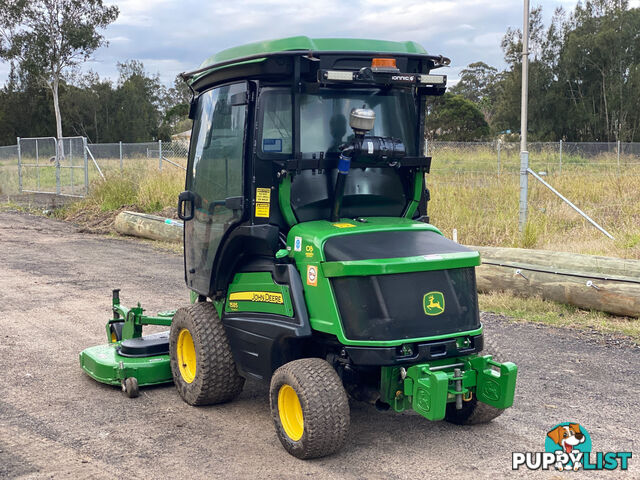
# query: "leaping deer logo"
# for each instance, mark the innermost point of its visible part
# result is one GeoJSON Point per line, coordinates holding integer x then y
{"type": "Point", "coordinates": [433, 303]}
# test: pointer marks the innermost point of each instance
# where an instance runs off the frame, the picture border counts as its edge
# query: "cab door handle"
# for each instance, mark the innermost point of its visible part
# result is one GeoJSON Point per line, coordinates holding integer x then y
{"type": "Point", "coordinates": [186, 205]}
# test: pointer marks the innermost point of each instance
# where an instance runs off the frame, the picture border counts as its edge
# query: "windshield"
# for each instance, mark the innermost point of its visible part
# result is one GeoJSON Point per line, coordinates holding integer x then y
{"type": "Point", "coordinates": [324, 118]}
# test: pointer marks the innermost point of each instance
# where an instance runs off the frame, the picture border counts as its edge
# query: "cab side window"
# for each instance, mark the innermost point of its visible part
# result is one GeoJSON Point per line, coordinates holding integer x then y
{"type": "Point", "coordinates": [276, 122]}
{"type": "Point", "coordinates": [216, 163]}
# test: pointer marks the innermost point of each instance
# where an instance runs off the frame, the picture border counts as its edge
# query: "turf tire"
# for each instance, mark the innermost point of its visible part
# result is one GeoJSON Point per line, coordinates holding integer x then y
{"type": "Point", "coordinates": [325, 407]}
{"type": "Point", "coordinates": [216, 378]}
{"type": "Point", "coordinates": [474, 412]}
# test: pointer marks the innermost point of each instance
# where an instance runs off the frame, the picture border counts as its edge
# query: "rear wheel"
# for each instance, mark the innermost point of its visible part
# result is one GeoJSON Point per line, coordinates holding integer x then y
{"type": "Point", "coordinates": [310, 408]}
{"type": "Point", "coordinates": [474, 412]}
{"type": "Point", "coordinates": [201, 362]}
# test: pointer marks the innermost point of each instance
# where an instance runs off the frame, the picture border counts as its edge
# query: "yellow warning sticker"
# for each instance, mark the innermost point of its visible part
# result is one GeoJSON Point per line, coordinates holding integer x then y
{"type": "Point", "coordinates": [343, 225]}
{"type": "Point", "coordinates": [312, 275]}
{"type": "Point", "coordinates": [263, 195]}
{"type": "Point", "coordinates": [264, 297]}
{"type": "Point", "coordinates": [262, 210]}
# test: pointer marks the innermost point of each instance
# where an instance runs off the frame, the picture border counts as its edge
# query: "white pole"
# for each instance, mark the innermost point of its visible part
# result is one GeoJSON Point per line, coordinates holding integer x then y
{"type": "Point", "coordinates": [524, 154]}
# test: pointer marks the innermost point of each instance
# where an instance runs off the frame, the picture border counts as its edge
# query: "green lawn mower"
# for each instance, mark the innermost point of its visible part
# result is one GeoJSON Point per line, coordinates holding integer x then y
{"type": "Point", "coordinates": [309, 253]}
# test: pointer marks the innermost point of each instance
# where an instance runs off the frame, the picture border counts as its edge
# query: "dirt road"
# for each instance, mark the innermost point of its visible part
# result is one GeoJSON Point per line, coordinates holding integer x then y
{"type": "Point", "coordinates": [55, 422]}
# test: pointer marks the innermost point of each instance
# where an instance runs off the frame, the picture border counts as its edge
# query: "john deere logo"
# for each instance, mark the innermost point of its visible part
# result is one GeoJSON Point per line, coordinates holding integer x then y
{"type": "Point", "coordinates": [433, 303]}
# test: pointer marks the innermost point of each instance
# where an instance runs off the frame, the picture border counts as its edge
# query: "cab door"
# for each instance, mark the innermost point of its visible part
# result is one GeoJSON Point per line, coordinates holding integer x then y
{"type": "Point", "coordinates": [213, 201]}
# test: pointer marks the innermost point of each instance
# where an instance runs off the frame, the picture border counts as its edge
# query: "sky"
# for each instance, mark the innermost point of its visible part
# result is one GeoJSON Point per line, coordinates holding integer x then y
{"type": "Point", "coordinates": [172, 36]}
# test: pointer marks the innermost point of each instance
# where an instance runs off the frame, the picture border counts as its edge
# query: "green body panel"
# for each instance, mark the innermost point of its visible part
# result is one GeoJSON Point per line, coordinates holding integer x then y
{"type": "Point", "coordinates": [255, 289]}
{"type": "Point", "coordinates": [103, 364]}
{"type": "Point", "coordinates": [310, 44]}
{"type": "Point", "coordinates": [321, 303]}
{"type": "Point", "coordinates": [427, 389]}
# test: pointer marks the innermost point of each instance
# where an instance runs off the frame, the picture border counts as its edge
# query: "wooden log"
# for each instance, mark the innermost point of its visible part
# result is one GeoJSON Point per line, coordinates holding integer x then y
{"type": "Point", "coordinates": [593, 264]}
{"type": "Point", "coordinates": [601, 283]}
{"type": "Point", "coordinates": [148, 226]}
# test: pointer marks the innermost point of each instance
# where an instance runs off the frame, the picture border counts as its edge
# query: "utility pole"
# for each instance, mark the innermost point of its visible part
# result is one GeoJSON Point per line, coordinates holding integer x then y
{"type": "Point", "coordinates": [524, 154]}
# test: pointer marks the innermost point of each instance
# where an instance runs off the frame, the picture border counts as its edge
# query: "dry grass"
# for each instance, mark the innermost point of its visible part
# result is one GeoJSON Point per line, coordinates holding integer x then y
{"type": "Point", "coordinates": [139, 188]}
{"type": "Point", "coordinates": [484, 210]}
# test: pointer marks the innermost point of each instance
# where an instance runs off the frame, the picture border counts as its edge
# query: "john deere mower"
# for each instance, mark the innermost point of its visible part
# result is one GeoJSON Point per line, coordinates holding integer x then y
{"type": "Point", "coordinates": [309, 253]}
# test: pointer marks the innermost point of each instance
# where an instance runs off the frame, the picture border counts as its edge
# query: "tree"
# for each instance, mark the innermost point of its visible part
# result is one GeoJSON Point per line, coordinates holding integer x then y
{"type": "Point", "coordinates": [453, 117]}
{"type": "Point", "coordinates": [48, 38]}
{"type": "Point", "coordinates": [479, 83]}
{"type": "Point", "coordinates": [138, 102]}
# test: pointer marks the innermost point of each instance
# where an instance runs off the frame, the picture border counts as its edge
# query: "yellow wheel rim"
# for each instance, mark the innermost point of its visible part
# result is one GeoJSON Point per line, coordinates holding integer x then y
{"type": "Point", "coordinates": [186, 352]}
{"type": "Point", "coordinates": [114, 339]}
{"type": "Point", "coordinates": [290, 412]}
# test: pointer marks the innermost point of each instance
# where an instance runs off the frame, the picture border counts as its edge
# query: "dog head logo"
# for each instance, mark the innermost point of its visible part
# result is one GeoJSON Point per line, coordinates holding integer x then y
{"type": "Point", "coordinates": [570, 441]}
{"type": "Point", "coordinates": [567, 436]}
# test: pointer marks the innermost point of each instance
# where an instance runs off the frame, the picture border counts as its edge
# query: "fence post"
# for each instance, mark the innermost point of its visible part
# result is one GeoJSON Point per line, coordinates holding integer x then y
{"type": "Point", "coordinates": [524, 188]}
{"type": "Point", "coordinates": [499, 142]}
{"type": "Point", "coordinates": [59, 149]}
{"type": "Point", "coordinates": [19, 167]}
{"type": "Point", "coordinates": [159, 154]}
{"type": "Point", "coordinates": [618, 157]}
{"type": "Point", "coordinates": [86, 165]}
{"type": "Point", "coordinates": [120, 143]}
{"type": "Point", "coordinates": [37, 167]}
{"type": "Point", "coordinates": [560, 155]}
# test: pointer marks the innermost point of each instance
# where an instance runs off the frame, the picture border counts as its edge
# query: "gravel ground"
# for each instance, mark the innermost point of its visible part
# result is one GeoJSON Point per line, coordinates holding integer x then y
{"type": "Point", "coordinates": [56, 422]}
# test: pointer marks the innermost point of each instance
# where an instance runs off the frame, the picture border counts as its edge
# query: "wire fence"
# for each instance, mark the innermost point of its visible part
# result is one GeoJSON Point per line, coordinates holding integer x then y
{"type": "Point", "coordinates": [476, 159]}
{"type": "Point", "coordinates": [545, 158]}
{"type": "Point", "coordinates": [34, 165]}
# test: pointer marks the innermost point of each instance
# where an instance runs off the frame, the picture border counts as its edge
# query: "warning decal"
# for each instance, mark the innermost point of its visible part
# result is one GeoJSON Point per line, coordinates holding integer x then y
{"type": "Point", "coordinates": [263, 202]}
{"type": "Point", "coordinates": [262, 210]}
{"type": "Point", "coordinates": [263, 195]}
{"type": "Point", "coordinates": [312, 275]}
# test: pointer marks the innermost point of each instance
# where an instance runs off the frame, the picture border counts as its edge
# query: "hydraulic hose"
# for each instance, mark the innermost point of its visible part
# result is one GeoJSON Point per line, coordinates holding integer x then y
{"type": "Point", "coordinates": [344, 163]}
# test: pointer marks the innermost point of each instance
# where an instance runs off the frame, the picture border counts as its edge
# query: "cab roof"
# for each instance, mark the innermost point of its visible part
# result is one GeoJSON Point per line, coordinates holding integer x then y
{"type": "Point", "coordinates": [313, 44]}
{"type": "Point", "coordinates": [258, 52]}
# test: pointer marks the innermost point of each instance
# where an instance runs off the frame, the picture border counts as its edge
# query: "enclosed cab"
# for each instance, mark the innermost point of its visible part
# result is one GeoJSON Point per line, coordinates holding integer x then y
{"type": "Point", "coordinates": [307, 238]}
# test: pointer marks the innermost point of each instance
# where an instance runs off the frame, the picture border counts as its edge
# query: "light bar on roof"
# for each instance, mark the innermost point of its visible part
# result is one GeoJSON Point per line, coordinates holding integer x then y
{"type": "Point", "coordinates": [433, 79]}
{"type": "Point", "coordinates": [338, 75]}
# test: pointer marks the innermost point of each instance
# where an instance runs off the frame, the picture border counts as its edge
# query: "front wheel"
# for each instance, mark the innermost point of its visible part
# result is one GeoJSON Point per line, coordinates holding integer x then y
{"type": "Point", "coordinates": [310, 408]}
